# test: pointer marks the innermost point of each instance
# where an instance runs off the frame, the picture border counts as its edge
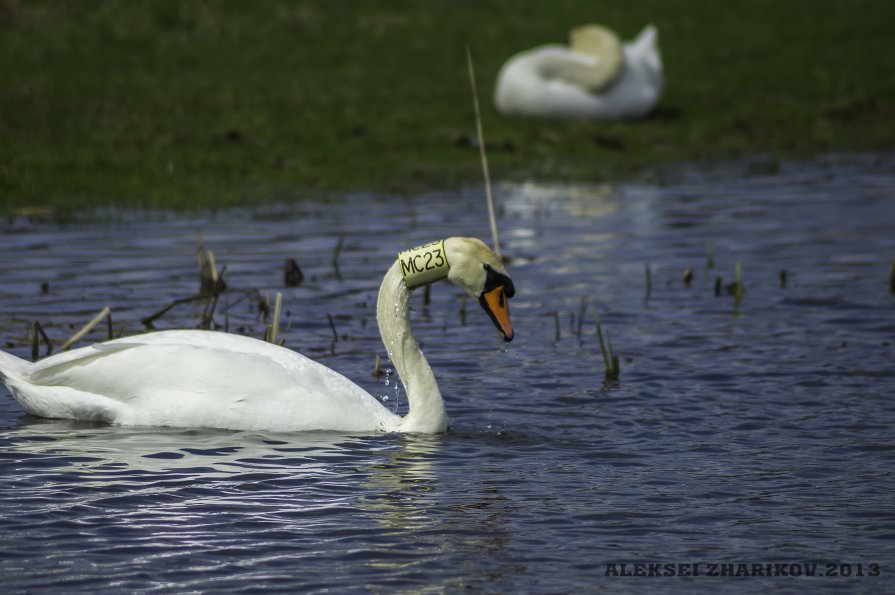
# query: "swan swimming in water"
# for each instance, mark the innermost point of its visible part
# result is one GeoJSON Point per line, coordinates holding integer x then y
{"type": "Point", "coordinates": [190, 378]}
{"type": "Point", "coordinates": [595, 76]}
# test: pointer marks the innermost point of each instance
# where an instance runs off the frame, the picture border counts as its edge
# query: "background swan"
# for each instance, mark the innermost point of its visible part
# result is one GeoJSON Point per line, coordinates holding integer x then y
{"type": "Point", "coordinates": [193, 378]}
{"type": "Point", "coordinates": [594, 77]}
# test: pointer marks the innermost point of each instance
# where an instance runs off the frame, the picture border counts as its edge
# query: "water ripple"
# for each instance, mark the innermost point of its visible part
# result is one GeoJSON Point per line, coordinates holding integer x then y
{"type": "Point", "coordinates": [757, 430]}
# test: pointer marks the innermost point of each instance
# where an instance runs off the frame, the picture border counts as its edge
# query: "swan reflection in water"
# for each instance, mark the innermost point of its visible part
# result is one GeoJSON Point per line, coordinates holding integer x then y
{"type": "Point", "coordinates": [384, 494]}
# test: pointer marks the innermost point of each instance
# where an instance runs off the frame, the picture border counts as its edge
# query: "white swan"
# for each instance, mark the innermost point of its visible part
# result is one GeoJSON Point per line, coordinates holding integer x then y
{"type": "Point", "coordinates": [188, 378]}
{"type": "Point", "coordinates": [593, 77]}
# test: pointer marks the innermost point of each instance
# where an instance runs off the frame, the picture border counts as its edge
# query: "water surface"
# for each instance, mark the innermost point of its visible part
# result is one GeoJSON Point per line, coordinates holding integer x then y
{"type": "Point", "coordinates": [757, 430]}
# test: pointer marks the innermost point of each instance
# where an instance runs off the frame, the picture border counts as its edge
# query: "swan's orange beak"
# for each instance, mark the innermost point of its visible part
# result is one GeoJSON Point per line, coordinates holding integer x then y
{"type": "Point", "coordinates": [497, 306]}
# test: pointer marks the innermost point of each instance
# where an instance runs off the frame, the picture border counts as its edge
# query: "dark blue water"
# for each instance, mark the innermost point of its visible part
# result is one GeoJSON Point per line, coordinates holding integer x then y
{"type": "Point", "coordinates": [755, 431]}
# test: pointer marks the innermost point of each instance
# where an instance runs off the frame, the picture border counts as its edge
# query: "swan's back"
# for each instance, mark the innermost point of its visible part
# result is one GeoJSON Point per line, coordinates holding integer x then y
{"type": "Point", "coordinates": [194, 379]}
{"type": "Point", "coordinates": [525, 88]}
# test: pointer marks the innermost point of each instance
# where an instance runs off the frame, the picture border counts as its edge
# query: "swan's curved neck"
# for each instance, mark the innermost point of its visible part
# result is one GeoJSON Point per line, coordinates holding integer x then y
{"type": "Point", "coordinates": [393, 316]}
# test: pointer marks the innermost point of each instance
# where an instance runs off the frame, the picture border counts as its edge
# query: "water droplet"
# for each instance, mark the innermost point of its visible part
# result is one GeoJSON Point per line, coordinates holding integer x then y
{"type": "Point", "coordinates": [384, 398]}
{"type": "Point", "coordinates": [386, 381]}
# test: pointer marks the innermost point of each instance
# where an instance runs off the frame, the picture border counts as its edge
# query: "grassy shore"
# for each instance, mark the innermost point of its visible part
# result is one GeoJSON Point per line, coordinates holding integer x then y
{"type": "Point", "coordinates": [188, 103]}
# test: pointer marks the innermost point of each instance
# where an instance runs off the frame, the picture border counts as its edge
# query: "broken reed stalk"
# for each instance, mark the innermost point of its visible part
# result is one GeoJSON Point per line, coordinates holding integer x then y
{"type": "Point", "coordinates": [35, 342]}
{"type": "Point", "coordinates": [246, 295]}
{"type": "Point", "coordinates": [263, 305]}
{"type": "Point", "coordinates": [709, 255]}
{"type": "Point", "coordinates": [210, 282]}
{"type": "Point", "coordinates": [38, 332]}
{"type": "Point", "coordinates": [557, 333]}
{"type": "Point", "coordinates": [892, 277]}
{"type": "Point", "coordinates": [274, 326]}
{"type": "Point", "coordinates": [481, 136]}
{"type": "Point", "coordinates": [336, 253]}
{"type": "Point", "coordinates": [213, 270]}
{"type": "Point", "coordinates": [46, 338]}
{"type": "Point", "coordinates": [277, 308]}
{"type": "Point", "coordinates": [610, 360]}
{"type": "Point", "coordinates": [613, 357]}
{"type": "Point", "coordinates": [211, 306]}
{"type": "Point", "coordinates": [87, 328]}
{"type": "Point", "coordinates": [206, 278]}
{"type": "Point", "coordinates": [738, 282]}
{"type": "Point", "coordinates": [147, 322]}
{"type": "Point", "coordinates": [208, 314]}
{"type": "Point", "coordinates": [200, 251]}
{"type": "Point", "coordinates": [377, 370]}
{"type": "Point", "coordinates": [332, 325]}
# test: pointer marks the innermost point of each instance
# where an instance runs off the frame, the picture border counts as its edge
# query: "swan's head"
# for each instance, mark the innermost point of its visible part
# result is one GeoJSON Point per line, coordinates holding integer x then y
{"type": "Point", "coordinates": [477, 270]}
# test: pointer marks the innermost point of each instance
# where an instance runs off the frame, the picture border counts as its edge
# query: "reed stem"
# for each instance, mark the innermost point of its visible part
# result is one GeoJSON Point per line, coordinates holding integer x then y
{"type": "Point", "coordinates": [610, 360]}
{"type": "Point", "coordinates": [332, 325]}
{"type": "Point", "coordinates": [336, 254]}
{"type": "Point", "coordinates": [484, 157]}
{"type": "Point", "coordinates": [87, 328]}
{"type": "Point", "coordinates": [274, 326]}
{"type": "Point", "coordinates": [377, 370]}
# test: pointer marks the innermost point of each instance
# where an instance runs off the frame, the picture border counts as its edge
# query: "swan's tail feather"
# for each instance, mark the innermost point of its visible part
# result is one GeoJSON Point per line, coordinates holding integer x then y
{"type": "Point", "coordinates": [32, 386]}
{"type": "Point", "coordinates": [9, 364]}
{"type": "Point", "coordinates": [648, 37]}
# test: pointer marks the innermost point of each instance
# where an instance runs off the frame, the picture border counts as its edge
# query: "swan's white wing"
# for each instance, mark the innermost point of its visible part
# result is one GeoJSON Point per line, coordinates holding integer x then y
{"type": "Point", "coordinates": [199, 378]}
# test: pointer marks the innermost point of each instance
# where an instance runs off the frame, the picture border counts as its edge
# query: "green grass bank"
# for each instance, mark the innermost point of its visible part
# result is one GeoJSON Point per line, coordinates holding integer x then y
{"type": "Point", "coordinates": [188, 103]}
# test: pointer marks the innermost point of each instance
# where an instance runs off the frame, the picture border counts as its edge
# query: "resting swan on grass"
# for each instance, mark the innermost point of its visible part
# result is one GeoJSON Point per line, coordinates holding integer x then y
{"type": "Point", "coordinates": [189, 378]}
{"type": "Point", "coordinates": [595, 76]}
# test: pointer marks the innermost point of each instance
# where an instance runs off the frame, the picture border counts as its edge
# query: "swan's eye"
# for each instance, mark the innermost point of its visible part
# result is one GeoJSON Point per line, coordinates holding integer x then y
{"type": "Point", "coordinates": [496, 279]}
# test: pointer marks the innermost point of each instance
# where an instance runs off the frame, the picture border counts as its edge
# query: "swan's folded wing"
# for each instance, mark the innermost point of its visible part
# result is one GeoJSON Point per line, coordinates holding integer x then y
{"type": "Point", "coordinates": [212, 380]}
{"type": "Point", "coordinates": [48, 371]}
{"type": "Point", "coordinates": [137, 371]}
